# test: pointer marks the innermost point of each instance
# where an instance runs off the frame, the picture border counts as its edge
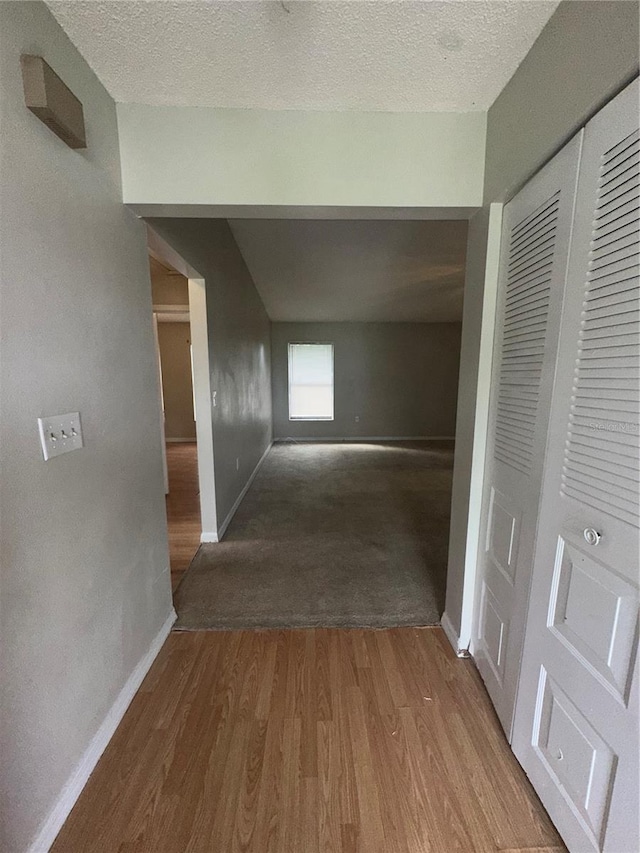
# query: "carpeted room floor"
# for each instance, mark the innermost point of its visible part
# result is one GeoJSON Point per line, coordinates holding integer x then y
{"type": "Point", "coordinates": [330, 534]}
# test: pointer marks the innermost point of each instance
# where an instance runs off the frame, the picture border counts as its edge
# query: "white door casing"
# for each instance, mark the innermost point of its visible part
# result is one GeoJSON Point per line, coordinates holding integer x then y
{"type": "Point", "coordinates": [165, 470]}
{"type": "Point", "coordinates": [535, 239]}
{"type": "Point", "coordinates": [576, 723]}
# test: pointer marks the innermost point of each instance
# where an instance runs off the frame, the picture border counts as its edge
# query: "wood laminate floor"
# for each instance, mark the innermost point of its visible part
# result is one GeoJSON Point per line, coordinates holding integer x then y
{"type": "Point", "coordinates": [309, 741]}
{"type": "Point", "coordinates": [183, 507]}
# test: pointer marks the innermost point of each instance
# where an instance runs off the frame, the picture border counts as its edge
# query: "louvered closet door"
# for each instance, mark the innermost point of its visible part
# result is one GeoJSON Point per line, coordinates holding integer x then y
{"type": "Point", "coordinates": [576, 726]}
{"type": "Point", "coordinates": [535, 240]}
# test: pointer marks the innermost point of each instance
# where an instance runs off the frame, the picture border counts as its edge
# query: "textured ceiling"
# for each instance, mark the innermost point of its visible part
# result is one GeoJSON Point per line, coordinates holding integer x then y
{"type": "Point", "coordinates": [315, 270]}
{"type": "Point", "coordinates": [393, 55]}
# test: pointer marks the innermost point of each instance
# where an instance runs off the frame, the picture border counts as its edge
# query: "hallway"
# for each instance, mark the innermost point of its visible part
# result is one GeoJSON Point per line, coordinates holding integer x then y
{"type": "Point", "coordinates": [317, 741]}
{"type": "Point", "coordinates": [340, 534]}
{"type": "Point", "coordinates": [183, 507]}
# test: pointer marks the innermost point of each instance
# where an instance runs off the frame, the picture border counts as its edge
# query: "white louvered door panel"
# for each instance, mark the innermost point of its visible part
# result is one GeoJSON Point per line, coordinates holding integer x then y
{"type": "Point", "coordinates": [576, 725]}
{"type": "Point", "coordinates": [535, 240]}
{"type": "Point", "coordinates": [532, 247]}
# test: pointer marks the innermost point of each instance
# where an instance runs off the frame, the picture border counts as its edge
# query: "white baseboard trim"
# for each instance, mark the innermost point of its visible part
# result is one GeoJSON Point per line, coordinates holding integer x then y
{"type": "Point", "coordinates": [354, 439]}
{"type": "Point", "coordinates": [452, 636]}
{"type": "Point", "coordinates": [78, 778]}
{"type": "Point", "coordinates": [247, 485]}
{"type": "Point", "coordinates": [208, 536]}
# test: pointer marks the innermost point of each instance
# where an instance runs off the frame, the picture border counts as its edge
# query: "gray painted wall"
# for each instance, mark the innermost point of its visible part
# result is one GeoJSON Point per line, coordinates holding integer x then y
{"type": "Point", "coordinates": [399, 378]}
{"type": "Point", "coordinates": [357, 271]}
{"type": "Point", "coordinates": [239, 349]}
{"type": "Point", "coordinates": [585, 54]}
{"type": "Point", "coordinates": [84, 559]}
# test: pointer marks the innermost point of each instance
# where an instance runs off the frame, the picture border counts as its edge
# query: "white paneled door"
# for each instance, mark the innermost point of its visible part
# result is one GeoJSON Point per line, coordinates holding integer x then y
{"type": "Point", "coordinates": [576, 722]}
{"type": "Point", "coordinates": [535, 242]}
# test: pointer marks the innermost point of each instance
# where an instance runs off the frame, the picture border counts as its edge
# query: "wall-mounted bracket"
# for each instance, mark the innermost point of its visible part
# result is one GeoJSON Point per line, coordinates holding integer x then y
{"type": "Point", "coordinates": [52, 101]}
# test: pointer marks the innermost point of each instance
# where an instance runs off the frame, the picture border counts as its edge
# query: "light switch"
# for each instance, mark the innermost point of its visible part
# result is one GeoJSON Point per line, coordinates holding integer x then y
{"type": "Point", "coordinates": [60, 434]}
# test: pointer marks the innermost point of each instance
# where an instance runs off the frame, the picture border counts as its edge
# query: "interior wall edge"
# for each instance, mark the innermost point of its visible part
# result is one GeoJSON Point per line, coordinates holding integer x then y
{"type": "Point", "coordinates": [592, 47]}
{"type": "Point", "coordinates": [239, 349]}
{"type": "Point", "coordinates": [300, 211]}
{"type": "Point", "coordinates": [223, 527]}
{"type": "Point", "coordinates": [360, 438]}
{"type": "Point", "coordinates": [450, 632]}
{"type": "Point", "coordinates": [467, 421]}
{"type": "Point", "coordinates": [481, 426]}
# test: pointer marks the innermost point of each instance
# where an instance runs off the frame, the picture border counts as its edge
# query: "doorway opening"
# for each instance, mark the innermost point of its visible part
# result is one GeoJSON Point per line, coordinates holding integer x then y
{"type": "Point", "coordinates": [345, 520]}
{"type": "Point", "coordinates": [170, 297]}
{"type": "Point", "coordinates": [179, 306]}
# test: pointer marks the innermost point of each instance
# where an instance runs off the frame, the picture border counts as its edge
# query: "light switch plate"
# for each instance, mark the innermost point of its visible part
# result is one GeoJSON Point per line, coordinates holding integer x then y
{"type": "Point", "coordinates": [60, 434]}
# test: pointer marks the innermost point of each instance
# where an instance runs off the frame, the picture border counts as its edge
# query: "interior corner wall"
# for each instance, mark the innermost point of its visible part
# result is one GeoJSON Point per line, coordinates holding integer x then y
{"type": "Point", "coordinates": [399, 379]}
{"type": "Point", "coordinates": [84, 559]}
{"type": "Point", "coordinates": [239, 351]}
{"type": "Point", "coordinates": [585, 54]}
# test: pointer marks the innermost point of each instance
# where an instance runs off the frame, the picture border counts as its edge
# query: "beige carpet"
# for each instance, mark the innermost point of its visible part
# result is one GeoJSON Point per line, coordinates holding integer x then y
{"type": "Point", "coordinates": [339, 534]}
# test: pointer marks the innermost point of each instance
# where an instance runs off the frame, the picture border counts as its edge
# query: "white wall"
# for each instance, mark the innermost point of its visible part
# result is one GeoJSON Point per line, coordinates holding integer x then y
{"type": "Point", "coordinates": [188, 156]}
{"type": "Point", "coordinates": [84, 559]}
{"type": "Point", "coordinates": [474, 384]}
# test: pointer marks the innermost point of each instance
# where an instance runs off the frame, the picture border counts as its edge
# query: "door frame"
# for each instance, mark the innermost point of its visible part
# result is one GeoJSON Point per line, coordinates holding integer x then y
{"type": "Point", "coordinates": [165, 468]}
{"type": "Point", "coordinates": [163, 252]}
{"type": "Point", "coordinates": [473, 402]}
{"type": "Point", "coordinates": [477, 473]}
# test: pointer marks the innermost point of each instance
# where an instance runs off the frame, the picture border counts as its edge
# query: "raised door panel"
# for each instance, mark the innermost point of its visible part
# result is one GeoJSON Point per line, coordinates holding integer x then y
{"type": "Point", "coordinates": [573, 754]}
{"type": "Point", "coordinates": [535, 239]}
{"type": "Point", "coordinates": [580, 661]}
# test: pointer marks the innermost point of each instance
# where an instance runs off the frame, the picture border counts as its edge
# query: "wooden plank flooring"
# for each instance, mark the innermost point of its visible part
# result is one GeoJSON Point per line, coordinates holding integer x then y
{"type": "Point", "coordinates": [183, 507]}
{"type": "Point", "coordinates": [312, 741]}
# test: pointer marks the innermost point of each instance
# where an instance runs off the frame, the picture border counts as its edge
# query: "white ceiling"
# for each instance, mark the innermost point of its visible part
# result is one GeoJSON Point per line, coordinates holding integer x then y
{"type": "Point", "coordinates": [327, 270]}
{"type": "Point", "coordinates": [393, 55]}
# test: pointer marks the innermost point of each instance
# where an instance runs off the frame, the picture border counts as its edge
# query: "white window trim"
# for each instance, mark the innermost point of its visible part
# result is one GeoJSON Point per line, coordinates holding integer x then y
{"type": "Point", "coordinates": [333, 377]}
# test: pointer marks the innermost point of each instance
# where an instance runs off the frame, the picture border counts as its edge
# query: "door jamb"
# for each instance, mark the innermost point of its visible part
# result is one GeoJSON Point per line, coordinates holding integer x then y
{"type": "Point", "coordinates": [165, 470]}
{"type": "Point", "coordinates": [162, 251]}
{"type": "Point", "coordinates": [481, 428]}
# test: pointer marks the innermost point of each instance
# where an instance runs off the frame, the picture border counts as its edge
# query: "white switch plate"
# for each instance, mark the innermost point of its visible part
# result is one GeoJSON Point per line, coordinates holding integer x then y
{"type": "Point", "coordinates": [60, 434]}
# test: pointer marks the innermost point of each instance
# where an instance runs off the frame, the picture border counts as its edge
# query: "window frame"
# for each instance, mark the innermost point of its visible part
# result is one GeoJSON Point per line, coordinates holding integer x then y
{"type": "Point", "coordinates": [291, 344]}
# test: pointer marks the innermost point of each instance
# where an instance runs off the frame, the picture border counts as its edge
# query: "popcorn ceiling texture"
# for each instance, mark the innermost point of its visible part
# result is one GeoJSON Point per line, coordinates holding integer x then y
{"type": "Point", "coordinates": [394, 56]}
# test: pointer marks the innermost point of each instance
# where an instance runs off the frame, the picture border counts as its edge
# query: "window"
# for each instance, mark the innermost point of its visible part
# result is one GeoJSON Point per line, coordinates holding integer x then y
{"type": "Point", "coordinates": [310, 382]}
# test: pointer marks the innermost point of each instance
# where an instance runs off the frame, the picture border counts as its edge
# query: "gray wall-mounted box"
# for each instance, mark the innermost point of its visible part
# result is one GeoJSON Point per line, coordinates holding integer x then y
{"type": "Point", "coordinates": [52, 101]}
